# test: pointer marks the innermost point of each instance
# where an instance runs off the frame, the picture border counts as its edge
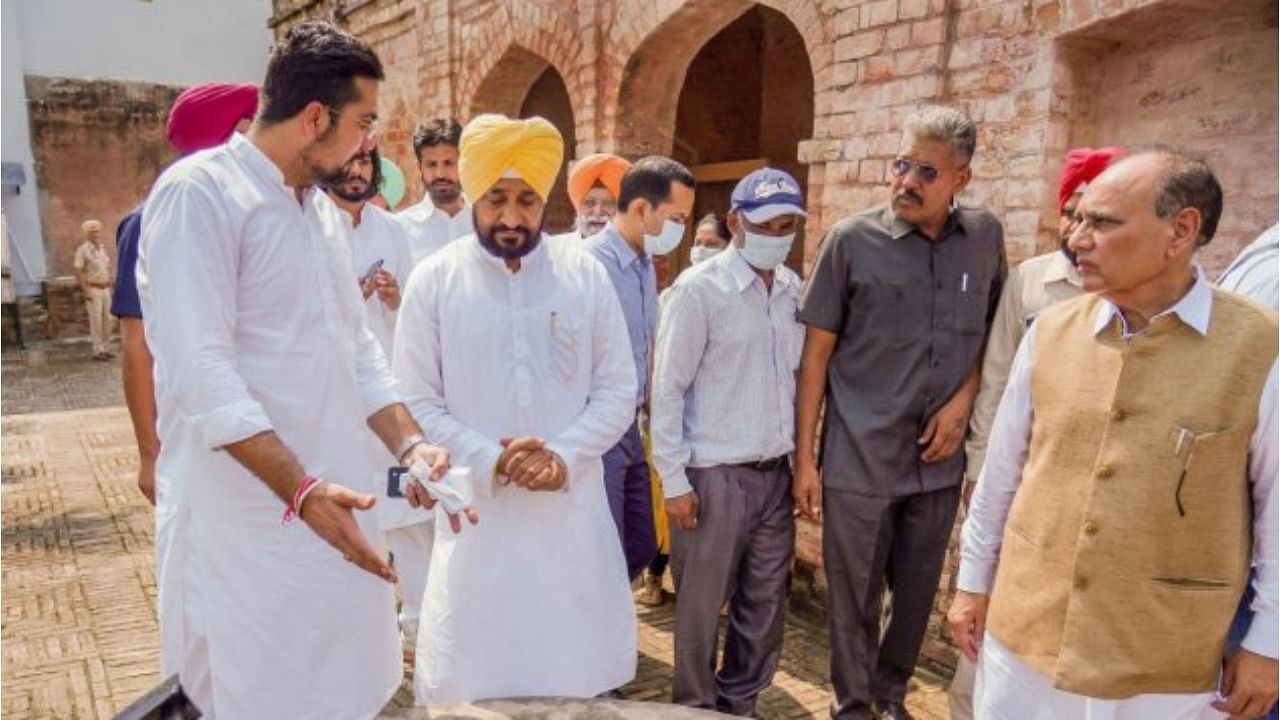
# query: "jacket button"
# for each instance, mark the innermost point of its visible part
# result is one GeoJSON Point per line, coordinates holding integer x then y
{"type": "Point", "coordinates": [1090, 528]}
{"type": "Point", "coordinates": [1119, 414]}
{"type": "Point", "coordinates": [1105, 472]}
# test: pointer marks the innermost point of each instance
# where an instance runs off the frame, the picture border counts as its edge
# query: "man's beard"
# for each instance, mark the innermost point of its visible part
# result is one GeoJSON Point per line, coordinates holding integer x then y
{"type": "Point", "coordinates": [344, 189]}
{"type": "Point", "coordinates": [443, 192]}
{"type": "Point", "coordinates": [506, 252]}
{"type": "Point", "coordinates": [592, 224]}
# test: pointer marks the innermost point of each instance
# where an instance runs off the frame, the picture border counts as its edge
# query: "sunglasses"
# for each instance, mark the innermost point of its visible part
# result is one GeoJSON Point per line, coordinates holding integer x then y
{"type": "Point", "coordinates": [926, 173]}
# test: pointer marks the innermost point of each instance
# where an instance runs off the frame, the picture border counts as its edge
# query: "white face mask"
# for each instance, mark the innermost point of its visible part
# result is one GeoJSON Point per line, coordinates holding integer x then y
{"type": "Point", "coordinates": [766, 252]}
{"type": "Point", "coordinates": [698, 253]}
{"type": "Point", "coordinates": [666, 240]}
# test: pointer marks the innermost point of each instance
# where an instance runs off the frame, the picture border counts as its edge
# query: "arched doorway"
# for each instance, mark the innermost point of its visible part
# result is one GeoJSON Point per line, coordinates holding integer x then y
{"type": "Point", "coordinates": [523, 84]}
{"type": "Point", "coordinates": [549, 98]}
{"type": "Point", "coordinates": [747, 101]}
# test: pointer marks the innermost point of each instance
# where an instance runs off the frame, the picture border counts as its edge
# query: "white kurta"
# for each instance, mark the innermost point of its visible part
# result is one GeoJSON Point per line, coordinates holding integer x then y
{"type": "Point", "coordinates": [380, 236]}
{"type": "Point", "coordinates": [534, 600]}
{"type": "Point", "coordinates": [256, 325]}
{"type": "Point", "coordinates": [431, 228]}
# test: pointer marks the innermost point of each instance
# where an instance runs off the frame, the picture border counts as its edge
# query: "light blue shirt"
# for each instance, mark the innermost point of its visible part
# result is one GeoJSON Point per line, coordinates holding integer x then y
{"type": "Point", "coordinates": [636, 283]}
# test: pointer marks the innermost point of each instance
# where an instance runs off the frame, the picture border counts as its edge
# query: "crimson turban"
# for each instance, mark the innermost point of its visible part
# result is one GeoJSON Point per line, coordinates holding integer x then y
{"type": "Point", "coordinates": [205, 115]}
{"type": "Point", "coordinates": [1083, 165]}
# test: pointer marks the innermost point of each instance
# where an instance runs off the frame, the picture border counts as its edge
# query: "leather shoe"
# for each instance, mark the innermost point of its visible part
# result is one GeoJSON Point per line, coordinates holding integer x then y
{"type": "Point", "coordinates": [890, 711]}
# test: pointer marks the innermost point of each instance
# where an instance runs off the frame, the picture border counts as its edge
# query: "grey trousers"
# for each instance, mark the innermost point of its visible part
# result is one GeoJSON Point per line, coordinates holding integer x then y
{"type": "Point", "coordinates": [741, 550]}
{"type": "Point", "coordinates": [869, 542]}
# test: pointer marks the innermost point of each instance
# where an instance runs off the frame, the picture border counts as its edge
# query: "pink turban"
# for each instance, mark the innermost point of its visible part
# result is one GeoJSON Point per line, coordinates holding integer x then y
{"type": "Point", "coordinates": [205, 115]}
{"type": "Point", "coordinates": [1083, 165]}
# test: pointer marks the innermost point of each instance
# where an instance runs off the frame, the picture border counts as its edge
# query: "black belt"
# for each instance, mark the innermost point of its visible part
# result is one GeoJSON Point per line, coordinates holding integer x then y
{"type": "Point", "coordinates": [782, 462]}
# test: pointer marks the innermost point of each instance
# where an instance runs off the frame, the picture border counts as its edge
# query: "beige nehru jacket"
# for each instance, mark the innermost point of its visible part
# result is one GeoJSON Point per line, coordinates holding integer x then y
{"type": "Point", "coordinates": [1031, 287]}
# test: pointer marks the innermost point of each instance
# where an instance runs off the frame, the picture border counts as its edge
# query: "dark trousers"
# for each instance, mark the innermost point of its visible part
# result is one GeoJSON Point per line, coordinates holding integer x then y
{"type": "Point", "coordinates": [626, 480]}
{"type": "Point", "coordinates": [15, 315]}
{"type": "Point", "coordinates": [743, 545]}
{"type": "Point", "coordinates": [869, 542]}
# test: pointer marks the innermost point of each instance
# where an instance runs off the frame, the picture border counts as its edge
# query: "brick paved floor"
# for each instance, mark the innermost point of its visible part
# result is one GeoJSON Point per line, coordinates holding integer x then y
{"type": "Point", "coordinates": [77, 612]}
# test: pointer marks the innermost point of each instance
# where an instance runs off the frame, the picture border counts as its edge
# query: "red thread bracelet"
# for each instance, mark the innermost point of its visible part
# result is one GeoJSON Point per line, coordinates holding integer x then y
{"type": "Point", "coordinates": [299, 494]}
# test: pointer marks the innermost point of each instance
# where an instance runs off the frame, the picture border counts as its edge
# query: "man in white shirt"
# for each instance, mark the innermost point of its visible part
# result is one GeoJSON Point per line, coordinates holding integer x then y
{"type": "Point", "coordinates": [722, 425]}
{"type": "Point", "coordinates": [266, 380]}
{"type": "Point", "coordinates": [380, 253]}
{"type": "Point", "coordinates": [443, 214]}
{"type": "Point", "coordinates": [1254, 271]}
{"type": "Point", "coordinates": [513, 353]}
{"type": "Point", "coordinates": [1130, 476]}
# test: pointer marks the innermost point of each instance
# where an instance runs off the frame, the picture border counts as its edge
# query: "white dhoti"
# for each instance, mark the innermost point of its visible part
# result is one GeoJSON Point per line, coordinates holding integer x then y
{"type": "Point", "coordinates": [1009, 689]}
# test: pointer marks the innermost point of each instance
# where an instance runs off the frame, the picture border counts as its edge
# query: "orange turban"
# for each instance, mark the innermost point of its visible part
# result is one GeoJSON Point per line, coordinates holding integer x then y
{"type": "Point", "coordinates": [600, 168]}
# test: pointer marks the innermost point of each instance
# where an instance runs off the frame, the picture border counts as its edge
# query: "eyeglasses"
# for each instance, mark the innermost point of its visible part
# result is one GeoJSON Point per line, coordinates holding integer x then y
{"type": "Point", "coordinates": [368, 124]}
{"type": "Point", "coordinates": [927, 173]}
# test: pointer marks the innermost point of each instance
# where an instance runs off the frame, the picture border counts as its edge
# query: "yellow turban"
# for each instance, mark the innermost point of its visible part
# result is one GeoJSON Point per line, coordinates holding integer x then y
{"type": "Point", "coordinates": [495, 146]}
{"type": "Point", "coordinates": [602, 168]}
{"type": "Point", "coordinates": [89, 226]}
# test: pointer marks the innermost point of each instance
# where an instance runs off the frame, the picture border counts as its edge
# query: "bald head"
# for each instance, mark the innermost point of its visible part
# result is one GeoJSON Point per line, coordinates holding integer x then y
{"type": "Point", "coordinates": [1142, 219]}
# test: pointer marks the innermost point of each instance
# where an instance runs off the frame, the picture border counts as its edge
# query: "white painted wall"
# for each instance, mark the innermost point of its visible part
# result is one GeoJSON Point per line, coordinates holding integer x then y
{"type": "Point", "coordinates": [169, 42]}
{"type": "Point", "coordinates": [26, 255]}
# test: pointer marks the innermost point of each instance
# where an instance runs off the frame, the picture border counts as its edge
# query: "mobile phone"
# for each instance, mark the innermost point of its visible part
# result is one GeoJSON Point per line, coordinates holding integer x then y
{"type": "Point", "coordinates": [395, 481]}
{"type": "Point", "coordinates": [373, 270]}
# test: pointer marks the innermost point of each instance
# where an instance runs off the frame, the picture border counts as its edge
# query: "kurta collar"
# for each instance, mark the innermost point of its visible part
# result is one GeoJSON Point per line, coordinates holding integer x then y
{"type": "Point", "coordinates": [262, 166]}
{"type": "Point", "coordinates": [1193, 309]}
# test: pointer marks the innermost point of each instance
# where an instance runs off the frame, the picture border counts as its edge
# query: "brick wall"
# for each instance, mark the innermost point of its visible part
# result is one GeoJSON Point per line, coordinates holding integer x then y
{"type": "Point", "coordinates": [1039, 76]}
{"type": "Point", "coordinates": [98, 146]}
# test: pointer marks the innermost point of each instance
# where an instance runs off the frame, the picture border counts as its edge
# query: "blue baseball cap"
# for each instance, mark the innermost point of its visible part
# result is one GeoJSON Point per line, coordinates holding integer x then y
{"type": "Point", "coordinates": [766, 193]}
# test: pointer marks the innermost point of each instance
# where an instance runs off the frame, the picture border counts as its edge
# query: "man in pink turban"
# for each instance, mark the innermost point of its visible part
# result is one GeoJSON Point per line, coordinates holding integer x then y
{"type": "Point", "coordinates": [205, 115]}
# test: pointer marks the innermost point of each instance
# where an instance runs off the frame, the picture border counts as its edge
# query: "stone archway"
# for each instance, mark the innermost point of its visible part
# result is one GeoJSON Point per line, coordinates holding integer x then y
{"type": "Point", "coordinates": [644, 103]}
{"type": "Point", "coordinates": [724, 86]}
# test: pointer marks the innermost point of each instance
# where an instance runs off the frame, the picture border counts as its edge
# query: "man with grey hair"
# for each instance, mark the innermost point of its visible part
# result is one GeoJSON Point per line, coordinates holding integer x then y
{"type": "Point", "coordinates": [1130, 478]}
{"type": "Point", "coordinates": [898, 307]}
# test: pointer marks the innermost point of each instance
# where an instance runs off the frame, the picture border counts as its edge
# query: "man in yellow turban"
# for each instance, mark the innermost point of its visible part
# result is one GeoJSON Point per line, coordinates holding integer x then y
{"type": "Point", "coordinates": [594, 184]}
{"type": "Point", "coordinates": [514, 354]}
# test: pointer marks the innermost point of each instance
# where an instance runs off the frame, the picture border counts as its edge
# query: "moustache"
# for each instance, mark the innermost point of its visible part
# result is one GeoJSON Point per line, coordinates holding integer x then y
{"type": "Point", "coordinates": [909, 195]}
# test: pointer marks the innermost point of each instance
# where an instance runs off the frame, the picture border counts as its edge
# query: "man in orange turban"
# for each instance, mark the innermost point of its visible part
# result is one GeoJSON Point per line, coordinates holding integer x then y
{"type": "Point", "coordinates": [594, 183]}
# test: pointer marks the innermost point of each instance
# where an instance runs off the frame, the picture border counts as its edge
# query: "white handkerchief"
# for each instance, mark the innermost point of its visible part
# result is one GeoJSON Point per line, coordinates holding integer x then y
{"type": "Point", "coordinates": [453, 491]}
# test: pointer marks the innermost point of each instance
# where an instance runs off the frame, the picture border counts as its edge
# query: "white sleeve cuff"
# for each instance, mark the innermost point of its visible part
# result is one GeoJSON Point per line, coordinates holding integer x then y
{"type": "Point", "coordinates": [1263, 636]}
{"type": "Point", "coordinates": [231, 423]}
{"type": "Point", "coordinates": [675, 484]}
{"type": "Point", "coordinates": [379, 394]}
{"type": "Point", "coordinates": [570, 463]}
{"type": "Point", "coordinates": [975, 577]}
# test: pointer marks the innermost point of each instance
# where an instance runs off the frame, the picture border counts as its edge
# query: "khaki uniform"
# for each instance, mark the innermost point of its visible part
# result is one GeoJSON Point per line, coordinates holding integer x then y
{"type": "Point", "coordinates": [94, 265]}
